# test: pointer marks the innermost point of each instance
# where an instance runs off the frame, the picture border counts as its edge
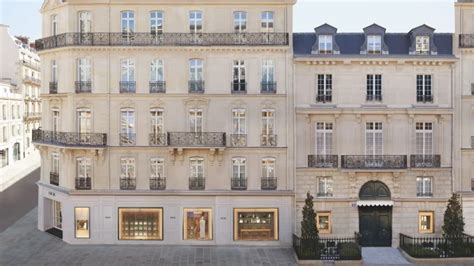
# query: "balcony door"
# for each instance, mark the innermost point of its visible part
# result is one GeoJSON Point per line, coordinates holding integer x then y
{"type": "Point", "coordinates": [195, 120]}
{"type": "Point", "coordinates": [157, 126]}
{"type": "Point", "coordinates": [424, 138]}
{"type": "Point", "coordinates": [84, 125]}
{"type": "Point", "coordinates": [374, 144]}
{"type": "Point", "coordinates": [323, 138]}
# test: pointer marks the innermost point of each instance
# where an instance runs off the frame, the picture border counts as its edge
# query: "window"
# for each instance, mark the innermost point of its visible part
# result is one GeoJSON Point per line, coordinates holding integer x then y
{"type": "Point", "coordinates": [323, 138]}
{"type": "Point", "coordinates": [127, 23]}
{"type": "Point", "coordinates": [81, 216]}
{"type": "Point", "coordinates": [197, 224]}
{"type": "Point", "coordinates": [84, 121]}
{"type": "Point", "coordinates": [325, 44]}
{"type": "Point", "coordinates": [55, 120]}
{"type": "Point", "coordinates": [157, 121]}
{"type": "Point", "coordinates": [268, 76]}
{"type": "Point", "coordinates": [424, 186]}
{"type": "Point", "coordinates": [57, 215]}
{"type": "Point", "coordinates": [423, 88]}
{"type": "Point", "coordinates": [256, 224]}
{"type": "Point", "coordinates": [374, 87]}
{"type": "Point", "coordinates": [127, 167]}
{"type": "Point", "coordinates": [239, 122]}
{"type": "Point", "coordinates": [239, 166]}
{"type": "Point", "coordinates": [324, 187]}
{"type": "Point", "coordinates": [268, 167]}
{"type": "Point", "coordinates": [239, 82]}
{"type": "Point", "coordinates": [4, 112]}
{"type": "Point", "coordinates": [268, 121]}
{"type": "Point", "coordinates": [195, 69]}
{"type": "Point", "coordinates": [54, 71]}
{"type": "Point", "coordinates": [127, 129]}
{"type": "Point", "coordinates": [140, 223]}
{"type": "Point", "coordinates": [425, 222]}
{"type": "Point", "coordinates": [85, 22]}
{"type": "Point", "coordinates": [267, 21]}
{"type": "Point", "coordinates": [374, 44]}
{"type": "Point", "coordinates": [324, 93]}
{"type": "Point", "coordinates": [55, 163]}
{"type": "Point", "coordinates": [196, 167]}
{"type": "Point", "coordinates": [157, 70]}
{"type": "Point", "coordinates": [127, 70]}
{"type": "Point", "coordinates": [54, 25]}
{"type": "Point", "coordinates": [373, 138]}
{"type": "Point", "coordinates": [195, 21]}
{"type": "Point", "coordinates": [323, 221]}
{"type": "Point", "coordinates": [83, 70]}
{"type": "Point", "coordinates": [240, 21]}
{"type": "Point", "coordinates": [422, 44]}
{"type": "Point", "coordinates": [424, 138]}
{"type": "Point", "coordinates": [195, 120]}
{"type": "Point", "coordinates": [157, 167]}
{"type": "Point", "coordinates": [156, 22]}
{"type": "Point", "coordinates": [84, 167]}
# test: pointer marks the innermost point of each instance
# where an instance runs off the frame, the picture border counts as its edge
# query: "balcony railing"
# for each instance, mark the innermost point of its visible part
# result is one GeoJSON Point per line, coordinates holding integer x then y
{"type": "Point", "coordinates": [466, 40]}
{"type": "Point", "coordinates": [238, 183]}
{"type": "Point", "coordinates": [374, 161]}
{"type": "Point", "coordinates": [127, 86]}
{"type": "Point", "coordinates": [83, 86]}
{"type": "Point", "coordinates": [269, 87]}
{"type": "Point", "coordinates": [197, 183]}
{"type": "Point", "coordinates": [83, 183]}
{"type": "Point", "coordinates": [424, 98]}
{"type": "Point", "coordinates": [238, 140]}
{"type": "Point", "coordinates": [424, 194]}
{"type": "Point", "coordinates": [158, 139]}
{"type": "Point", "coordinates": [192, 139]}
{"type": "Point", "coordinates": [128, 139]}
{"type": "Point", "coordinates": [269, 183]}
{"type": "Point", "coordinates": [196, 86]}
{"type": "Point", "coordinates": [32, 80]}
{"type": "Point", "coordinates": [54, 178]}
{"type": "Point", "coordinates": [164, 39]}
{"type": "Point", "coordinates": [128, 183]}
{"type": "Point", "coordinates": [157, 183]}
{"type": "Point", "coordinates": [268, 140]}
{"type": "Point", "coordinates": [157, 86]}
{"type": "Point", "coordinates": [324, 98]}
{"type": "Point", "coordinates": [374, 98]}
{"type": "Point", "coordinates": [53, 87]}
{"type": "Point", "coordinates": [238, 87]}
{"type": "Point", "coordinates": [322, 161]}
{"type": "Point", "coordinates": [69, 139]}
{"type": "Point", "coordinates": [425, 161]}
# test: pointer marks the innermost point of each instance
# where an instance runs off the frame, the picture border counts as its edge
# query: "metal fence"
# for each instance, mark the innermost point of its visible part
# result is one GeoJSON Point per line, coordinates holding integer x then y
{"type": "Point", "coordinates": [437, 247]}
{"type": "Point", "coordinates": [327, 248]}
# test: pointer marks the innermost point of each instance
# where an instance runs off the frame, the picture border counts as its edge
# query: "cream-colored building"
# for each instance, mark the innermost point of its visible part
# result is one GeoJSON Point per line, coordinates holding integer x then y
{"type": "Point", "coordinates": [167, 121]}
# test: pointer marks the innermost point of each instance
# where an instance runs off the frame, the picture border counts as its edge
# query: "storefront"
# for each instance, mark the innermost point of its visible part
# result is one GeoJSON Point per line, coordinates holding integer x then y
{"type": "Point", "coordinates": [256, 224]}
{"type": "Point", "coordinates": [140, 224]}
{"type": "Point", "coordinates": [197, 224]}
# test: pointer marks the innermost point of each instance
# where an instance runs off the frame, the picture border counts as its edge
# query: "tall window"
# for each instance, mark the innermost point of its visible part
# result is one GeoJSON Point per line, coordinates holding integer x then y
{"type": "Point", "coordinates": [57, 215]}
{"type": "Point", "coordinates": [422, 44]}
{"type": "Point", "coordinates": [157, 121]}
{"type": "Point", "coordinates": [426, 222]}
{"type": "Point", "coordinates": [195, 69]}
{"type": "Point", "coordinates": [424, 186]}
{"type": "Point", "coordinates": [157, 167]}
{"type": "Point", "coordinates": [55, 163]}
{"type": "Point", "coordinates": [127, 168]}
{"type": "Point", "coordinates": [268, 167]}
{"type": "Point", "coordinates": [85, 22]}
{"type": "Point", "coordinates": [374, 138]}
{"type": "Point", "coordinates": [156, 22]}
{"type": "Point", "coordinates": [424, 138]}
{"type": "Point", "coordinates": [84, 168]}
{"type": "Point", "coordinates": [267, 21]}
{"type": "Point", "coordinates": [268, 71]}
{"type": "Point", "coordinates": [239, 166]}
{"type": "Point", "coordinates": [55, 120]}
{"type": "Point", "coordinates": [239, 84]}
{"type": "Point", "coordinates": [239, 121]}
{"type": "Point", "coordinates": [84, 70]}
{"type": "Point", "coordinates": [127, 126]}
{"type": "Point", "coordinates": [127, 70]}
{"type": "Point", "coordinates": [268, 121]}
{"type": "Point", "coordinates": [195, 21]}
{"type": "Point", "coordinates": [374, 87]}
{"type": "Point", "coordinates": [195, 120]}
{"type": "Point", "coordinates": [423, 88]}
{"type": "Point", "coordinates": [127, 23]}
{"type": "Point", "coordinates": [54, 71]}
{"type": "Point", "coordinates": [325, 186]}
{"type": "Point", "coordinates": [374, 44]}
{"type": "Point", "coordinates": [324, 93]}
{"type": "Point", "coordinates": [54, 25]}
{"type": "Point", "coordinates": [323, 138]}
{"type": "Point", "coordinates": [157, 70]}
{"type": "Point", "coordinates": [196, 167]}
{"type": "Point", "coordinates": [240, 21]}
{"type": "Point", "coordinates": [84, 124]}
{"type": "Point", "coordinates": [81, 217]}
{"type": "Point", "coordinates": [325, 44]}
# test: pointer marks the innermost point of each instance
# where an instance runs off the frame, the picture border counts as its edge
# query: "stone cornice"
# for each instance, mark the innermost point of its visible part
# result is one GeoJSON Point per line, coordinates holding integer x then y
{"type": "Point", "coordinates": [379, 61]}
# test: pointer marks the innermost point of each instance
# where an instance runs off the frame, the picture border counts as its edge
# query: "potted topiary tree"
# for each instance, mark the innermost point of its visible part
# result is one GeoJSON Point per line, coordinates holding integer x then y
{"type": "Point", "coordinates": [453, 227]}
{"type": "Point", "coordinates": [309, 230]}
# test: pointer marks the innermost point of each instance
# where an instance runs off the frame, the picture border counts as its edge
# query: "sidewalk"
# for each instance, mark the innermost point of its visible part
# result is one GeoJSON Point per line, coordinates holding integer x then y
{"type": "Point", "coordinates": [11, 174]}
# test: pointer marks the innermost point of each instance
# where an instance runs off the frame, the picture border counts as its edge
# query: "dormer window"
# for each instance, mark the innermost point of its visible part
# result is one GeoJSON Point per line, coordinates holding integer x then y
{"type": "Point", "coordinates": [325, 44]}
{"type": "Point", "coordinates": [422, 44]}
{"type": "Point", "coordinates": [374, 44]}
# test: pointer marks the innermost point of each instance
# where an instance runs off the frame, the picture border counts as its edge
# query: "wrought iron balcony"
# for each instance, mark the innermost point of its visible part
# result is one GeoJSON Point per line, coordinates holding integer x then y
{"type": "Point", "coordinates": [199, 139]}
{"type": "Point", "coordinates": [424, 98]}
{"type": "Point", "coordinates": [269, 87]}
{"type": "Point", "coordinates": [324, 98]}
{"type": "Point", "coordinates": [238, 87]}
{"type": "Point", "coordinates": [164, 39]}
{"type": "Point", "coordinates": [158, 139]}
{"type": "Point", "coordinates": [69, 139]}
{"type": "Point", "coordinates": [374, 98]}
{"type": "Point", "coordinates": [128, 183]}
{"type": "Point", "coordinates": [424, 194]}
{"type": "Point", "coordinates": [196, 86]}
{"type": "Point", "coordinates": [157, 86]}
{"type": "Point", "coordinates": [269, 183]}
{"type": "Point", "coordinates": [197, 183]}
{"type": "Point", "coordinates": [53, 87]}
{"type": "Point", "coordinates": [322, 161]}
{"type": "Point", "coordinates": [54, 178]}
{"type": "Point", "coordinates": [83, 86]}
{"type": "Point", "coordinates": [268, 140]}
{"type": "Point", "coordinates": [128, 139]}
{"type": "Point", "coordinates": [238, 140]}
{"type": "Point", "coordinates": [83, 183]}
{"type": "Point", "coordinates": [128, 86]}
{"type": "Point", "coordinates": [425, 161]}
{"type": "Point", "coordinates": [29, 79]}
{"type": "Point", "coordinates": [466, 40]}
{"type": "Point", "coordinates": [238, 183]}
{"type": "Point", "coordinates": [374, 161]}
{"type": "Point", "coordinates": [157, 183]}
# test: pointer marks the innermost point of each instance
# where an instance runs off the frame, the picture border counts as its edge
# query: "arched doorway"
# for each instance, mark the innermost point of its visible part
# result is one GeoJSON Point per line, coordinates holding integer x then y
{"type": "Point", "coordinates": [375, 215]}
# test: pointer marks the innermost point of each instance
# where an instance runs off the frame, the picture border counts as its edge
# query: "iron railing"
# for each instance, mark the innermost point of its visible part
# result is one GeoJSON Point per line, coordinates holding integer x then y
{"type": "Point", "coordinates": [196, 86]}
{"type": "Point", "coordinates": [83, 86]}
{"type": "Point", "coordinates": [322, 161]}
{"type": "Point", "coordinates": [268, 140]}
{"type": "Point", "coordinates": [158, 139]}
{"type": "Point", "coordinates": [324, 98]}
{"type": "Point", "coordinates": [157, 86]}
{"type": "Point", "coordinates": [425, 161]}
{"type": "Point", "coordinates": [29, 79]}
{"type": "Point", "coordinates": [238, 140]}
{"type": "Point", "coordinates": [197, 183]}
{"type": "Point", "coordinates": [164, 39]}
{"type": "Point", "coordinates": [424, 194]}
{"type": "Point", "coordinates": [327, 248]}
{"type": "Point", "coordinates": [83, 183]}
{"type": "Point", "coordinates": [53, 87]}
{"type": "Point", "coordinates": [128, 86]}
{"type": "Point", "coordinates": [193, 139]}
{"type": "Point", "coordinates": [157, 183]}
{"type": "Point", "coordinates": [437, 247]}
{"type": "Point", "coordinates": [54, 178]}
{"type": "Point", "coordinates": [128, 139]}
{"type": "Point", "coordinates": [374, 161]}
{"type": "Point", "coordinates": [128, 183]}
{"type": "Point", "coordinates": [269, 183]}
{"type": "Point", "coordinates": [466, 40]}
{"type": "Point", "coordinates": [238, 183]}
{"type": "Point", "coordinates": [268, 87]}
{"type": "Point", "coordinates": [69, 138]}
{"type": "Point", "coordinates": [238, 87]}
{"type": "Point", "coordinates": [424, 98]}
{"type": "Point", "coordinates": [374, 98]}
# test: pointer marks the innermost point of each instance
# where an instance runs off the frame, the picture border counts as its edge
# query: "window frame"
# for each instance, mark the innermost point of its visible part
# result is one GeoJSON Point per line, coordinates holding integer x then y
{"type": "Point", "coordinates": [128, 167]}
{"type": "Point", "coordinates": [326, 133]}
{"type": "Point", "coordinates": [267, 21]}
{"type": "Point", "coordinates": [196, 69]}
{"type": "Point", "coordinates": [431, 224]}
{"type": "Point", "coordinates": [239, 72]}
{"type": "Point", "coordinates": [325, 44]}
{"type": "Point", "coordinates": [55, 162]}
{"type": "Point", "coordinates": [155, 164]}
{"type": "Point", "coordinates": [156, 66]}
{"type": "Point", "coordinates": [371, 128]}
{"type": "Point", "coordinates": [424, 87]}
{"type": "Point", "coordinates": [240, 21]}
{"type": "Point", "coordinates": [374, 87]}
{"type": "Point", "coordinates": [88, 222]}
{"type": "Point", "coordinates": [374, 44]}
{"type": "Point", "coordinates": [327, 189]}
{"type": "Point", "coordinates": [268, 121]}
{"type": "Point", "coordinates": [196, 120]}
{"type": "Point", "coordinates": [157, 23]}
{"type": "Point", "coordinates": [127, 70]}
{"type": "Point", "coordinates": [137, 209]}
{"type": "Point", "coordinates": [276, 224]}
{"type": "Point", "coordinates": [268, 167]}
{"type": "Point", "coordinates": [84, 21]}
{"type": "Point", "coordinates": [423, 44]}
{"type": "Point", "coordinates": [241, 164]}
{"type": "Point", "coordinates": [239, 121]}
{"type": "Point", "coordinates": [268, 71]}
{"type": "Point", "coordinates": [83, 164]}
{"type": "Point", "coordinates": [324, 87]}
{"type": "Point", "coordinates": [426, 133]}
{"type": "Point", "coordinates": [210, 222]}
{"type": "Point", "coordinates": [127, 23]}
{"type": "Point", "coordinates": [324, 214]}
{"type": "Point", "coordinates": [83, 69]}
{"type": "Point", "coordinates": [426, 191]}
{"type": "Point", "coordinates": [129, 115]}
{"type": "Point", "coordinates": [196, 21]}
{"type": "Point", "coordinates": [196, 167]}
{"type": "Point", "coordinates": [157, 121]}
{"type": "Point", "coordinates": [54, 24]}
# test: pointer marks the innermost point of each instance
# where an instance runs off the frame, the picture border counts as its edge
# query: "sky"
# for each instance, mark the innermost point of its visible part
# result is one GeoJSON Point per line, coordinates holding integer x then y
{"type": "Point", "coordinates": [346, 15]}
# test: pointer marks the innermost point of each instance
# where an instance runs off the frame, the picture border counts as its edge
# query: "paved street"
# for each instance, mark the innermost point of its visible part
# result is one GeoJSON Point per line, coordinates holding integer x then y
{"type": "Point", "coordinates": [18, 200]}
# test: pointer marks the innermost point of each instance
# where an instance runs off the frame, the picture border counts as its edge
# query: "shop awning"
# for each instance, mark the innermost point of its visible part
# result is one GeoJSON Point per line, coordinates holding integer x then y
{"type": "Point", "coordinates": [368, 203]}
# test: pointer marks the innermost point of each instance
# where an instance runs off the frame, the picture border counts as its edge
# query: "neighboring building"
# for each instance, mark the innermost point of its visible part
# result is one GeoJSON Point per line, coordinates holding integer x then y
{"type": "Point", "coordinates": [11, 125]}
{"type": "Point", "coordinates": [167, 121]}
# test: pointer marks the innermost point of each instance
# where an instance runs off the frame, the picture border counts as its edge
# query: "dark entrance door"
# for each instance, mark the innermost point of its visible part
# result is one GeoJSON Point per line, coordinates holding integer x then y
{"type": "Point", "coordinates": [375, 226]}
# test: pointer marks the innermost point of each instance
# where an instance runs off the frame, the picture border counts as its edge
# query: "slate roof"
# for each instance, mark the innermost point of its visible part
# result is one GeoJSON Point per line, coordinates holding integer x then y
{"type": "Point", "coordinates": [351, 43]}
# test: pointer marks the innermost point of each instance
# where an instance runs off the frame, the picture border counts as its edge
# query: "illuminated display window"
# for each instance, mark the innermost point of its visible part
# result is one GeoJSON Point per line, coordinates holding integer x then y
{"type": "Point", "coordinates": [425, 222]}
{"type": "Point", "coordinates": [140, 224]}
{"type": "Point", "coordinates": [323, 220]}
{"type": "Point", "coordinates": [197, 224]}
{"type": "Point", "coordinates": [81, 215]}
{"type": "Point", "coordinates": [256, 224]}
